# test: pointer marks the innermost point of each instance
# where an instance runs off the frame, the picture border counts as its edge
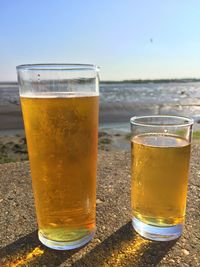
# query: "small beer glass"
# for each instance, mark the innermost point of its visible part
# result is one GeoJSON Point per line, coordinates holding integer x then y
{"type": "Point", "coordinates": [160, 151]}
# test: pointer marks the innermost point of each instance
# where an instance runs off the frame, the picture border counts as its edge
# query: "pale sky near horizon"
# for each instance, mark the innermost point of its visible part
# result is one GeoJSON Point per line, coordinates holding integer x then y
{"type": "Point", "coordinates": [128, 39]}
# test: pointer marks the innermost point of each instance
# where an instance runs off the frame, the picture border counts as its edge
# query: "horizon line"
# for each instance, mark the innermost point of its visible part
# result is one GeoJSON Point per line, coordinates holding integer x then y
{"type": "Point", "coordinates": [139, 80]}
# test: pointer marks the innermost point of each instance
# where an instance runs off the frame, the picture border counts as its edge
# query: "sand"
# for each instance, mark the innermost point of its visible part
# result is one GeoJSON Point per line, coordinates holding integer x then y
{"type": "Point", "coordinates": [115, 243]}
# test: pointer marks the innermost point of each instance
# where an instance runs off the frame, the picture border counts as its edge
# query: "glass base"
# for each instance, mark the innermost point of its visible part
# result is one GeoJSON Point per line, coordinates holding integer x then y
{"type": "Point", "coordinates": [65, 245]}
{"type": "Point", "coordinates": [157, 233]}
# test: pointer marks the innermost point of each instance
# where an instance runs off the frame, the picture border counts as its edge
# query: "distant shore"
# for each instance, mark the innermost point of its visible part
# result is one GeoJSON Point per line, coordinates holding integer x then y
{"type": "Point", "coordinates": [187, 80]}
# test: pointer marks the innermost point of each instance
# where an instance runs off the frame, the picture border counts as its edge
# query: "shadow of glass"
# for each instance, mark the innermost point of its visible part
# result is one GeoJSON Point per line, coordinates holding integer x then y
{"type": "Point", "coordinates": [28, 251]}
{"type": "Point", "coordinates": [126, 248]}
{"type": "Point", "coordinates": [123, 248]}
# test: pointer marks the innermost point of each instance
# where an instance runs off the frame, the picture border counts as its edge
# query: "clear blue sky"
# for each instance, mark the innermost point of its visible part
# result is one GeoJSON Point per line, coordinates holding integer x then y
{"type": "Point", "coordinates": [128, 39]}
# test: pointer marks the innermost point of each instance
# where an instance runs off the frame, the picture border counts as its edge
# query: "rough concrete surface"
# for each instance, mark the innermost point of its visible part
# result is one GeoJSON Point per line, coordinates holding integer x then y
{"type": "Point", "coordinates": [115, 242]}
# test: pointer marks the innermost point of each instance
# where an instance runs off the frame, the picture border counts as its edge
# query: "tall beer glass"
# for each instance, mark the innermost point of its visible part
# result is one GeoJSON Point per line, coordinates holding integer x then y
{"type": "Point", "coordinates": [160, 166]}
{"type": "Point", "coordinates": [60, 112]}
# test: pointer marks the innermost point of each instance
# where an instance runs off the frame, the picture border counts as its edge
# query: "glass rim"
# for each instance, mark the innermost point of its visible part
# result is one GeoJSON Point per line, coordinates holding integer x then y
{"type": "Point", "coordinates": [185, 121]}
{"type": "Point", "coordinates": [58, 67]}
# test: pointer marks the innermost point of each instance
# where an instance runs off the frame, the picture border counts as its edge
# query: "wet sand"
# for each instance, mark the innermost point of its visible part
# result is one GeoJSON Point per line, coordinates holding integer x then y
{"type": "Point", "coordinates": [10, 117]}
{"type": "Point", "coordinates": [13, 147]}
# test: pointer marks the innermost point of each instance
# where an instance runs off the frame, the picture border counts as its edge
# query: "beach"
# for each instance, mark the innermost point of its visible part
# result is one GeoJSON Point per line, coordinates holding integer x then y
{"type": "Point", "coordinates": [115, 243]}
{"type": "Point", "coordinates": [118, 102]}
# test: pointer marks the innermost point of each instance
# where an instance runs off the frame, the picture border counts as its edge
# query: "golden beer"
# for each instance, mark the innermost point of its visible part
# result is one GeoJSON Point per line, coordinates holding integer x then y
{"type": "Point", "coordinates": [160, 166]}
{"type": "Point", "coordinates": [62, 133]}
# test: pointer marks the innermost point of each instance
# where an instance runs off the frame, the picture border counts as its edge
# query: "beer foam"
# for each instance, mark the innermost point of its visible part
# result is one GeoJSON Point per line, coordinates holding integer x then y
{"type": "Point", "coordinates": [58, 94]}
